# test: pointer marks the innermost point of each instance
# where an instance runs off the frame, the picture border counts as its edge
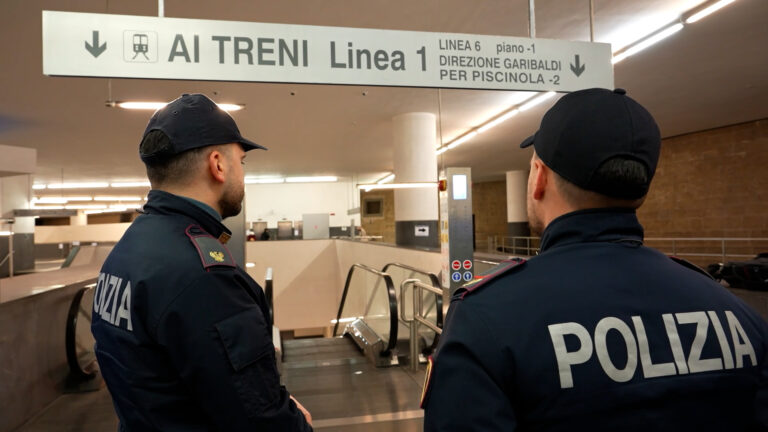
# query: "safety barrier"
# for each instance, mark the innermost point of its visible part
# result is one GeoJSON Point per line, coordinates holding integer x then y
{"type": "Point", "coordinates": [419, 318]}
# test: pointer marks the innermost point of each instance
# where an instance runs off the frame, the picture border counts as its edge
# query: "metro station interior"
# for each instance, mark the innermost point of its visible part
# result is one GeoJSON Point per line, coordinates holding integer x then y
{"type": "Point", "coordinates": [350, 258]}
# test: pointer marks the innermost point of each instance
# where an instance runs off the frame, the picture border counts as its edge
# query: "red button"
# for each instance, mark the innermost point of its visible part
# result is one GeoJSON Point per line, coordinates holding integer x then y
{"type": "Point", "coordinates": [467, 264]}
{"type": "Point", "coordinates": [456, 264]}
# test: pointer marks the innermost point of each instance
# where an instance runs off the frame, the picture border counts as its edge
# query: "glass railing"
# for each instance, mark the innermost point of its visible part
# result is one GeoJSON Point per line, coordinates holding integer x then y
{"type": "Point", "coordinates": [432, 303]}
{"type": "Point", "coordinates": [369, 295]}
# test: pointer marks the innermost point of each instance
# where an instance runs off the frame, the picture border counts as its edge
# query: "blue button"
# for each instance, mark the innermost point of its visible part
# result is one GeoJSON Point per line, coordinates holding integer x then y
{"type": "Point", "coordinates": [456, 276]}
{"type": "Point", "coordinates": [467, 276]}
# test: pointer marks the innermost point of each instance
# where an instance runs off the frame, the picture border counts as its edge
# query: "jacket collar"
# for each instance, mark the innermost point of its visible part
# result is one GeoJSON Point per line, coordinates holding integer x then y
{"type": "Point", "coordinates": [593, 225]}
{"type": "Point", "coordinates": [165, 203]}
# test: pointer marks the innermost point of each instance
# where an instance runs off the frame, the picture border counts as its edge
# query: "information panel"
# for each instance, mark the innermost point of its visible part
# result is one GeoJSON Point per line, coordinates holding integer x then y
{"type": "Point", "coordinates": [124, 46]}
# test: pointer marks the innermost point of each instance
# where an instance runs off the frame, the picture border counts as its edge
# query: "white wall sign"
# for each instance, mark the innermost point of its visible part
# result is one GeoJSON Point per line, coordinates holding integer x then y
{"type": "Point", "coordinates": [421, 231]}
{"type": "Point", "coordinates": [124, 46]}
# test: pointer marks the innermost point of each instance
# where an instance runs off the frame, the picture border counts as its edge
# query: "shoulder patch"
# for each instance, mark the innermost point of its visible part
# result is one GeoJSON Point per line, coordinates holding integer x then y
{"type": "Point", "coordinates": [690, 265]}
{"type": "Point", "coordinates": [480, 280]}
{"type": "Point", "coordinates": [212, 252]}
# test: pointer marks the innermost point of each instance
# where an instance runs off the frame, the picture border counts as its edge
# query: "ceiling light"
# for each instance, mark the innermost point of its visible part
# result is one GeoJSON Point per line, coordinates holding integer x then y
{"type": "Point", "coordinates": [461, 140]}
{"type": "Point", "coordinates": [158, 105]}
{"type": "Point", "coordinates": [131, 184]}
{"type": "Point", "coordinates": [142, 105]}
{"type": "Point", "coordinates": [397, 185]}
{"type": "Point", "coordinates": [48, 200]}
{"type": "Point", "coordinates": [86, 185]}
{"type": "Point", "coordinates": [38, 186]}
{"type": "Point", "coordinates": [5, 233]}
{"type": "Point", "coordinates": [648, 41]}
{"type": "Point", "coordinates": [536, 101]}
{"type": "Point", "coordinates": [498, 120]}
{"type": "Point", "coordinates": [707, 10]}
{"type": "Point", "coordinates": [116, 198]}
{"type": "Point", "coordinates": [264, 180]}
{"type": "Point", "coordinates": [78, 198]}
{"type": "Point", "coordinates": [441, 150]}
{"type": "Point", "coordinates": [319, 179]}
{"type": "Point", "coordinates": [387, 179]}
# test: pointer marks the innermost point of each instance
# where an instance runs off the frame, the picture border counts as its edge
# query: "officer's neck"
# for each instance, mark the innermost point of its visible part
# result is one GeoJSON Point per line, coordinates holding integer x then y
{"type": "Point", "coordinates": [205, 193]}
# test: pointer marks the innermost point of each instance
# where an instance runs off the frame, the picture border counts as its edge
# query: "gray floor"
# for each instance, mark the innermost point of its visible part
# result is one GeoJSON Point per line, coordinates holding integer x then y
{"type": "Point", "coordinates": [344, 392]}
{"type": "Point", "coordinates": [330, 377]}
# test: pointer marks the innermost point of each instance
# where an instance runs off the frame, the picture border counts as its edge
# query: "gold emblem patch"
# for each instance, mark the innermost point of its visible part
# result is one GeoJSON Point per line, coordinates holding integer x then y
{"type": "Point", "coordinates": [217, 256]}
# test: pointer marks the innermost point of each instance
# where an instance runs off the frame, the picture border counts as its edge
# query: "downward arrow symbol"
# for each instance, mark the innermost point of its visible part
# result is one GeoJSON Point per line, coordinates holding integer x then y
{"type": "Point", "coordinates": [95, 49]}
{"type": "Point", "coordinates": [578, 68]}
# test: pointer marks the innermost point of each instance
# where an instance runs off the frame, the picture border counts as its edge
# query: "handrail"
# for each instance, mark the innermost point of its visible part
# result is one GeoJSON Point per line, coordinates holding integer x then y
{"type": "Point", "coordinates": [268, 293]}
{"type": "Point", "coordinates": [675, 242]}
{"type": "Point", "coordinates": [392, 304]}
{"type": "Point", "coordinates": [418, 318]}
{"type": "Point", "coordinates": [438, 298]}
{"type": "Point", "coordinates": [71, 338]}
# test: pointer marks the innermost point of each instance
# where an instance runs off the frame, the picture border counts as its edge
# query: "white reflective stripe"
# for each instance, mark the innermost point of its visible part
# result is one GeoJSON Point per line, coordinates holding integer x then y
{"type": "Point", "coordinates": [741, 343]}
{"type": "Point", "coordinates": [601, 349]}
{"type": "Point", "coordinates": [650, 370]}
{"type": "Point", "coordinates": [675, 344]}
{"type": "Point", "coordinates": [564, 358]}
{"type": "Point", "coordinates": [695, 362]}
{"type": "Point", "coordinates": [724, 347]}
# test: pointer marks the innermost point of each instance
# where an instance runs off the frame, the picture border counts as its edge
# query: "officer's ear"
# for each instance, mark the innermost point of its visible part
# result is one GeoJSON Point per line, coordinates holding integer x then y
{"type": "Point", "coordinates": [541, 175]}
{"type": "Point", "coordinates": [216, 163]}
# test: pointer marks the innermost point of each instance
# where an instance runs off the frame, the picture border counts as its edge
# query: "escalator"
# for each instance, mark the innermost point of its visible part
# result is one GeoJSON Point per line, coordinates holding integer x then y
{"type": "Point", "coordinates": [376, 315]}
{"type": "Point", "coordinates": [347, 381]}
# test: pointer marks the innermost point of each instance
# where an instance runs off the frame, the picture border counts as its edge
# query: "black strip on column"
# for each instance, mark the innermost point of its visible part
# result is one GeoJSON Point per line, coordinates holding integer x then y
{"type": "Point", "coordinates": [406, 233]}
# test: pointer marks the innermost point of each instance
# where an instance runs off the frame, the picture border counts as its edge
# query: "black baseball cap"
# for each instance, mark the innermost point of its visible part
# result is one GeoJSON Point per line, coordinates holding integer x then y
{"type": "Point", "coordinates": [193, 121]}
{"type": "Point", "coordinates": [586, 128]}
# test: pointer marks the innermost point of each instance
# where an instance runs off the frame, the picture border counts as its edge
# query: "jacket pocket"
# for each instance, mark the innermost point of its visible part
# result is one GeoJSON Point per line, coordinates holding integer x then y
{"type": "Point", "coordinates": [252, 357]}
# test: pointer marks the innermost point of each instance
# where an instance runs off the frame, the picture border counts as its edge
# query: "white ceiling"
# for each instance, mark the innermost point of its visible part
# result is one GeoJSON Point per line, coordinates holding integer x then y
{"type": "Point", "coordinates": [712, 73]}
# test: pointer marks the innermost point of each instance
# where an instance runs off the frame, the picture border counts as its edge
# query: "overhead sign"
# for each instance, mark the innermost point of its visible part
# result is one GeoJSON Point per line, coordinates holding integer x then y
{"type": "Point", "coordinates": [124, 46]}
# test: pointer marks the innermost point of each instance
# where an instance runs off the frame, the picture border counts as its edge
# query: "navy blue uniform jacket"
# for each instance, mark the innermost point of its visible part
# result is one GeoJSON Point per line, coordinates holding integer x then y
{"type": "Point", "coordinates": [181, 335]}
{"type": "Point", "coordinates": [599, 333]}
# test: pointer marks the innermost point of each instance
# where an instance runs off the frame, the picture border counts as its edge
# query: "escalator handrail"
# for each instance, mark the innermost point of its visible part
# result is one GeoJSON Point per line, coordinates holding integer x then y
{"type": "Point", "coordinates": [393, 320]}
{"type": "Point", "coordinates": [432, 279]}
{"type": "Point", "coordinates": [438, 299]}
{"type": "Point", "coordinates": [71, 338]}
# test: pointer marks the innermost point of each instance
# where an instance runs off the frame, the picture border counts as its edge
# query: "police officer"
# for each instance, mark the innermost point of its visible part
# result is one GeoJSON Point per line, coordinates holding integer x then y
{"type": "Point", "coordinates": [597, 332]}
{"type": "Point", "coordinates": [182, 338]}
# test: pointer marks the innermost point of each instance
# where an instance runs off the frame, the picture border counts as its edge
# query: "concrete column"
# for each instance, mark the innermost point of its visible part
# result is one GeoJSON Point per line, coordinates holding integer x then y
{"type": "Point", "coordinates": [517, 214]}
{"type": "Point", "coordinates": [415, 160]}
{"type": "Point", "coordinates": [79, 219]}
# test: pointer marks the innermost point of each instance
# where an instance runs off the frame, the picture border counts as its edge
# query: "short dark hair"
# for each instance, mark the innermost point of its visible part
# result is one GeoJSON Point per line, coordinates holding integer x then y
{"type": "Point", "coordinates": [173, 169]}
{"type": "Point", "coordinates": [628, 181]}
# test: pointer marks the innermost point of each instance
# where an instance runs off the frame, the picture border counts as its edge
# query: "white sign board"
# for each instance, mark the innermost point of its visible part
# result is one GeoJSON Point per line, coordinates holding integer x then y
{"type": "Point", "coordinates": [421, 231]}
{"type": "Point", "coordinates": [123, 46]}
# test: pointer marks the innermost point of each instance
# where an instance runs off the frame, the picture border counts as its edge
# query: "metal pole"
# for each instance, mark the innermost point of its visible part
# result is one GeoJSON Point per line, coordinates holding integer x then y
{"type": "Point", "coordinates": [531, 19]}
{"type": "Point", "coordinates": [591, 20]}
{"type": "Point", "coordinates": [723, 249]}
{"type": "Point", "coordinates": [415, 329]}
{"type": "Point", "coordinates": [161, 8]}
{"type": "Point", "coordinates": [10, 255]}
